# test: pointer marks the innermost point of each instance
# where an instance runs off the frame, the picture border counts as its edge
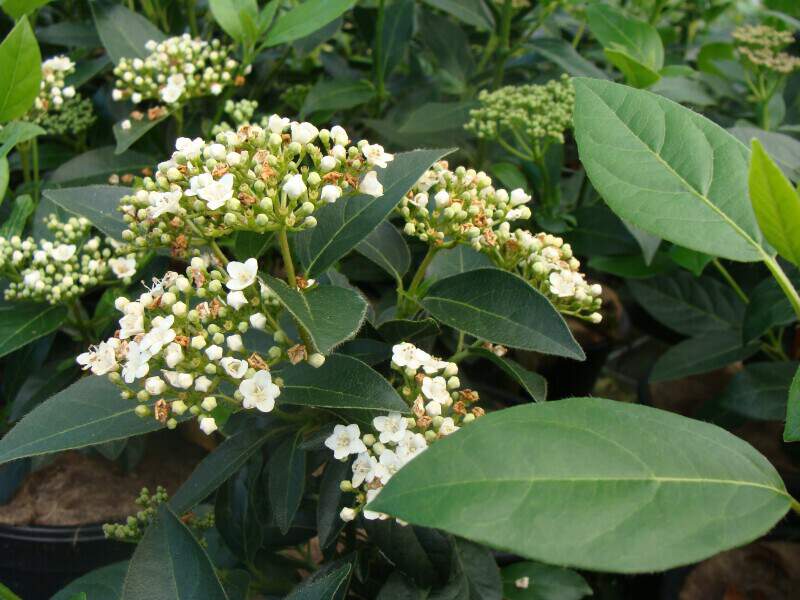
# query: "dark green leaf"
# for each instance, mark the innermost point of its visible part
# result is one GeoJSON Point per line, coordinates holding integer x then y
{"type": "Point", "coordinates": [250, 244]}
{"type": "Point", "coordinates": [20, 64]}
{"type": "Point", "coordinates": [287, 481]}
{"type": "Point", "coordinates": [15, 132]}
{"type": "Point", "coordinates": [632, 267]}
{"type": "Point", "coordinates": [128, 137]}
{"type": "Point", "coordinates": [95, 166]}
{"type": "Point", "coordinates": [241, 512]}
{"type": "Point", "coordinates": [702, 354]}
{"type": "Point", "coordinates": [304, 19]}
{"type": "Point", "coordinates": [533, 383]}
{"type": "Point", "coordinates": [783, 149]}
{"type": "Point", "coordinates": [22, 210]}
{"type": "Point", "coordinates": [791, 432]}
{"type": "Point", "coordinates": [232, 15]}
{"type": "Point", "coordinates": [333, 95]}
{"type": "Point", "coordinates": [692, 261]}
{"type": "Point", "coordinates": [769, 307]}
{"type": "Point", "coordinates": [70, 33]}
{"type": "Point", "coordinates": [395, 331]}
{"type": "Point", "coordinates": [400, 587]}
{"type": "Point", "coordinates": [387, 248]}
{"type": "Point", "coordinates": [326, 586]}
{"type": "Point", "coordinates": [435, 117]}
{"type": "Point", "coordinates": [626, 474]}
{"type": "Point", "coordinates": [343, 382]}
{"type": "Point", "coordinates": [562, 53]}
{"type": "Point", "coordinates": [21, 323]}
{"type": "Point", "coordinates": [760, 390]}
{"type": "Point", "coordinates": [471, 12]}
{"type": "Point", "coordinates": [331, 314]}
{"type": "Point", "coordinates": [105, 582]}
{"type": "Point", "coordinates": [169, 564]}
{"type": "Point", "coordinates": [98, 203]}
{"type": "Point", "coordinates": [123, 32]}
{"type": "Point", "coordinates": [398, 27]}
{"type": "Point", "coordinates": [455, 261]}
{"type": "Point", "coordinates": [16, 8]}
{"type": "Point", "coordinates": [502, 308]}
{"type": "Point", "coordinates": [479, 571]}
{"type": "Point", "coordinates": [403, 548]}
{"type": "Point", "coordinates": [331, 501]}
{"type": "Point", "coordinates": [545, 582]}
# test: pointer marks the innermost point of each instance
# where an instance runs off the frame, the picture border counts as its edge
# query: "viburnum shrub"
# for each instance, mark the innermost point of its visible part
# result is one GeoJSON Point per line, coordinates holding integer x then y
{"type": "Point", "coordinates": [350, 321]}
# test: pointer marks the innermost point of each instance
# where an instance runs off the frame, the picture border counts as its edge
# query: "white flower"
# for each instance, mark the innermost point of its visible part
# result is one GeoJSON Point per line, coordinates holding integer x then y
{"type": "Point", "coordinates": [242, 275]}
{"type": "Point", "coordinates": [190, 148]}
{"type": "Point", "coordinates": [123, 267]}
{"type": "Point", "coordinates": [215, 89]}
{"type": "Point", "coordinates": [258, 321]}
{"type": "Point", "coordinates": [345, 440]}
{"type": "Point", "coordinates": [376, 156]}
{"type": "Point", "coordinates": [63, 252]}
{"type": "Point", "coordinates": [433, 408]}
{"type": "Point", "coordinates": [208, 425]}
{"type": "Point", "coordinates": [408, 355]}
{"type": "Point", "coordinates": [304, 133]}
{"type": "Point", "coordinates": [391, 464]}
{"type": "Point", "coordinates": [154, 385]}
{"type": "Point", "coordinates": [295, 186]}
{"type": "Point", "coordinates": [339, 135]}
{"type": "Point", "coordinates": [136, 365]}
{"type": "Point", "coordinates": [198, 182]}
{"type": "Point", "coordinates": [236, 300]}
{"type": "Point", "coordinates": [125, 125]}
{"type": "Point", "coordinates": [116, 95]}
{"type": "Point", "coordinates": [431, 364]}
{"type": "Point", "coordinates": [234, 342]}
{"type": "Point", "coordinates": [518, 196]}
{"type": "Point", "coordinates": [132, 324]}
{"type": "Point", "coordinates": [448, 426]}
{"type": "Point", "coordinates": [420, 200]}
{"type": "Point", "coordinates": [435, 388]}
{"type": "Point", "coordinates": [179, 380]}
{"type": "Point", "coordinates": [442, 199]}
{"type": "Point", "coordinates": [234, 367]}
{"type": "Point", "coordinates": [160, 334]}
{"type": "Point", "coordinates": [347, 514]}
{"type": "Point", "coordinates": [370, 185]}
{"type": "Point", "coordinates": [202, 384]}
{"type": "Point", "coordinates": [171, 93]}
{"type": "Point", "coordinates": [371, 515]}
{"type": "Point", "coordinates": [173, 355]}
{"type": "Point", "coordinates": [277, 124]}
{"type": "Point", "coordinates": [31, 278]}
{"type": "Point", "coordinates": [163, 202]}
{"type": "Point", "coordinates": [259, 392]}
{"type": "Point", "coordinates": [218, 192]}
{"type": "Point", "coordinates": [392, 427]}
{"type": "Point", "coordinates": [412, 444]}
{"type": "Point", "coordinates": [562, 284]}
{"type": "Point", "coordinates": [365, 468]}
{"type": "Point", "coordinates": [214, 352]}
{"type": "Point", "coordinates": [330, 193]}
{"type": "Point", "coordinates": [328, 163]}
{"type": "Point", "coordinates": [101, 359]}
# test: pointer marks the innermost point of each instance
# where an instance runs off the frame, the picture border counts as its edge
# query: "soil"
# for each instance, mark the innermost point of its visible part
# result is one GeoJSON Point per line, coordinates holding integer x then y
{"type": "Point", "coordinates": [80, 488]}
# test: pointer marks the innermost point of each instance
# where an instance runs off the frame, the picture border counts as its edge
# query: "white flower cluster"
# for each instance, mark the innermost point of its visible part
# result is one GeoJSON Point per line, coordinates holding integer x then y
{"type": "Point", "coordinates": [177, 70]}
{"type": "Point", "coordinates": [53, 90]}
{"type": "Point", "coordinates": [761, 48]}
{"type": "Point", "coordinates": [57, 271]}
{"type": "Point", "coordinates": [439, 408]}
{"type": "Point", "coordinates": [181, 343]}
{"type": "Point", "coordinates": [448, 207]}
{"type": "Point", "coordinates": [548, 264]}
{"type": "Point", "coordinates": [253, 179]}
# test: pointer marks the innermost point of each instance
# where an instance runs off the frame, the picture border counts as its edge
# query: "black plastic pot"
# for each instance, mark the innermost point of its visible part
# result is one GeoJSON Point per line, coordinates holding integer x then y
{"type": "Point", "coordinates": [37, 561]}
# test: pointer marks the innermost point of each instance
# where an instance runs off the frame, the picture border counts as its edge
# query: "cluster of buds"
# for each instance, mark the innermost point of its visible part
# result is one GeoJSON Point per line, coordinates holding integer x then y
{"type": "Point", "coordinates": [529, 117]}
{"type": "Point", "coordinates": [177, 70]}
{"type": "Point", "coordinates": [449, 207]}
{"type": "Point", "coordinates": [253, 179]}
{"type": "Point", "coordinates": [180, 343]}
{"type": "Point", "coordinates": [438, 407]}
{"type": "Point", "coordinates": [547, 263]}
{"type": "Point", "coordinates": [760, 46]}
{"type": "Point", "coordinates": [76, 115]}
{"type": "Point", "coordinates": [62, 269]}
{"type": "Point", "coordinates": [53, 90]}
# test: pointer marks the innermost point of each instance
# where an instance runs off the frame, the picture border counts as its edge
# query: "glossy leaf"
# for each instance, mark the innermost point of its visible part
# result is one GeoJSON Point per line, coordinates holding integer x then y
{"type": "Point", "coordinates": [545, 582]}
{"type": "Point", "coordinates": [480, 577]}
{"type": "Point", "coordinates": [128, 137]}
{"type": "Point", "coordinates": [502, 308]}
{"type": "Point", "coordinates": [343, 382]}
{"type": "Point", "coordinates": [345, 223]}
{"type": "Point", "coordinates": [169, 564]}
{"type": "Point", "coordinates": [336, 95]}
{"type": "Point", "coordinates": [323, 586]}
{"type": "Point", "coordinates": [331, 314]}
{"type": "Point", "coordinates": [471, 12]}
{"type": "Point", "coordinates": [20, 213]}
{"type": "Point", "coordinates": [533, 383]}
{"type": "Point", "coordinates": [702, 354]}
{"type": "Point", "coordinates": [123, 32]}
{"type": "Point", "coordinates": [331, 501]}
{"type": "Point", "coordinates": [95, 166]}
{"type": "Point", "coordinates": [791, 432]}
{"type": "Point", "coordinates": [20, 64]}
{"type": "Point", "coordinates": [4, 176]}
{"type": "Point", "coordinates": [689, 305]}
{"type": "Point", "coordinates": [769, 307]}
{"type": "Point", "coordinates": [760, 390]}
{"type": "Point", "coordinates": [387, 248]}
{"type": "Point", "coordinates": [88, 412]}
{"type": "Point", "coordinates": [395, 331]}
{"type": "Point", "coordinates": [562, 53]}
{"type": "Point", "coordinates": [287, 480]}
{"type": "Point", "coordinates": [17, 8]}
{"type": "Point", "coordinates": [232, 15]}
{"type": "Point", "coordinates": [15, 132]}
{"type": "Point", "coordinates": [625, 475]}
{"type": "Point", "coordinates": [251, 244]}
{"type": "Point", "coordinates": [667, 169]}
{"type": "Point", "coordinates": [105, 582]}
{"type": "Point", "coordinates": [776, 204]}
{"type": "Point", "coordinates": [457, 260]}
{"type": "Point", "coordinates": [398, 28]}
{"type": "Point", "coordinates": [98, 203]}
{"type": "Point", "coordinates": [304, 19]}
{"type": "Point", "coordinates": [22, 323]}
{"type": "Point", "coordinates": [692, 261]}
{"type": "Point", "coordinates": [404, 549]}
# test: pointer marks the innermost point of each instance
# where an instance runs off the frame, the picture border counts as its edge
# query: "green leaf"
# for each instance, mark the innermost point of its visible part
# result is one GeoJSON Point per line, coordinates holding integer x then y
{"type": "Point", "coordinates": [562, 53]}
{"type": "Point", "coordinates": [218, 466]}
{"type": "Point", "coordinates": [287, 481]}
{"type": "Point", "coordinates": [21, 323]}
{"type": "Point", "coordinates": [343, 382]}
{"type": "Point", "coordinates": [343, 224]}
{"type": "Point", "coordinates": [128, 137]}
{"type": "Point", "coordinates": [324, 586]}
{"type": "Point", "coordinates": [545, 582]}
{"type": "Point", "coordinates": [684, 90]}
{"type": "Point", "coordinates": [15, 132]}
{"type": "Point", "coordinates": [169, 564]}
{"type": "Point", "coordinates": [95, 166]}
{"type": "Point", "coordinates": [702, 354]}
{"type": "Point", "coordinates": [634, 46]}
{"type": "Point", "coordinates": [502, 308]}
{"type": "Point", "coordinates": [776, 204]}
{"type": "Point", "coordinates": [4, 176]}
{"type": "Point", "coordinates": [435, 117]}
{"type": "Point", "coordinates": [387, 248]}
{"type": "Point", "coordinates": [98, 203]}
{"type": "Point", "coordinates": [22, 210]}
{"type": "Point", "coordinates": [666, 169]}
{"type": "Point", "coordinates": [689, 305]}
{"type": "Point", "coordinates": [232, 15]}
{"type": "Point", "coordinates": [331, 501]}
{"type": "Point", "coordinates": [457, 260]}
{"type": "Point", "coordinates": [782, 149]}
{"type": "Point", "coordinates": [403, 547]}
{"type": "Point", "coordinates": [626, 475]}
{"type": "Point", "coordinates": [72, 34]}
{"type": "Point", "coordinates": [480, 577]}
{"type": "Point", "coordinates": [105, 582]}
{"type": "Point", "coordinates": [531, 382]}
{"type": "Point", "coordinates": [304, 19]}
{"type": "Point", "coordinates": [21, 66]}
{"type": "Point", "coordinates": [769, 307]}
{"type": "Point", "coordinates": [471, 12]}
{"type": "Point", "coordinates": [398, 29]}
{"type": "Point", "coordinates": [17, 8]}
{"type": "Point", "coordinates": [251, 244]}
{"type": "Point", "coordinates": [692, 261]}
{"type": "Point", "coordinates": [760, 390]}
{"type": "Point", "coordinates": [87, 413]}
{"type": "Point", "coordinates": [333, 95]}
{"type": "Point", "coordinates": [395, 331]}
{"type": "Point", "coordinates": [791, 432]}
{"type": "Point", "coordinates": [123, 32]}
{"type": "Point", "coordinates": [632, 267]}
{"type": "Point", "coordinates": [331, 314]}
